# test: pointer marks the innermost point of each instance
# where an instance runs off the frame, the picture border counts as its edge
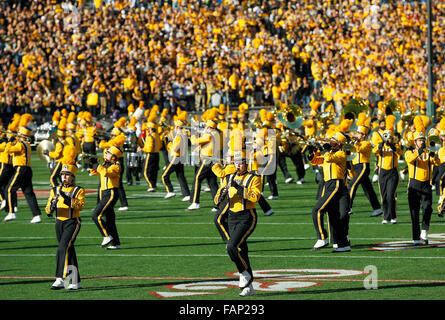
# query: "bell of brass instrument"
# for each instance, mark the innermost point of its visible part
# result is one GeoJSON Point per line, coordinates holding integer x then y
{"type": "Point", "coordinates": [434, 143]}
{"type": "Point", "coordinates": [45, 146]}
{"type": "Point", "coordinates": [290, 115]}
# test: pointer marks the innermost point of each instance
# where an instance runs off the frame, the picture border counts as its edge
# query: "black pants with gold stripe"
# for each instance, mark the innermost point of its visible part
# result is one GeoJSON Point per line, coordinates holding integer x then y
{"type": "Point", "coordinates": [362, 178]}
{"type": "Point", "coordinates": [203, 171]}
{"type": "Point", "coordinates": [151, 169]}
{"type": "Point", "coordinates": [104, 216]}
{"type": "Point", "coordinates": [335, 202]}
{"type": "Point", "coordinates": [221, 220]}
{"type": "Point", "coordinates": [420, 195]}
{"type": "Point", "coordinates": [175, 165]}
{"type": "Point", "coordinates": [66, 232]}
{"type": "Point", "coordinates": [22, 179]}
{"type": "Point", "coordinates": [6, 172]}
{"type": "Point", "coordinates": [388, 183]}
{"type": "Point", "coordinates": [241, 226]}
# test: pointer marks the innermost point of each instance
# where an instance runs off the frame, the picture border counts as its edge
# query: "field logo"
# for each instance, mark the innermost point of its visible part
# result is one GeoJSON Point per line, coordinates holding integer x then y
{"type": "Point", "coordinates": [270, 280]}
{"type": "Point", "coordinates": [72, 274]}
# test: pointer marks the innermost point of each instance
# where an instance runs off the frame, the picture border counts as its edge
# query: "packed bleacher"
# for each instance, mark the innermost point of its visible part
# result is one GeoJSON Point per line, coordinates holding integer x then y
{"type": "Point", "coordinates": [103, 56]}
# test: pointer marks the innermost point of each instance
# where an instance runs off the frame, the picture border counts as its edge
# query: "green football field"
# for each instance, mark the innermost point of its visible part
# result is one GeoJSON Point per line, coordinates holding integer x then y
{"type": "Point", "coordinates": [169, 253]}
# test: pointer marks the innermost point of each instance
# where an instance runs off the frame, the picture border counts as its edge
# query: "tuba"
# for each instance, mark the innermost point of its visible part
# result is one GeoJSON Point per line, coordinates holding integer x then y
{"type": "Point", "coordinates": [289, 115]}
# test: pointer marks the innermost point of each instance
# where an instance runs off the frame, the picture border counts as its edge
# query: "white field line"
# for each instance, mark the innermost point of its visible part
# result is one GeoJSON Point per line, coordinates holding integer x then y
{"type": "Point", "coordinates": [220, 279]}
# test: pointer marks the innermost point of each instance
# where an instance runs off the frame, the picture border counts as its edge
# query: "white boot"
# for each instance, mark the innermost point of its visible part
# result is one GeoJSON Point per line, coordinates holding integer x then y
{"type": "Point", "coordinates": [9, 217]}
{"type": "Point", "coordinates": [106, 241]}
{"type": "Point", "coordinates": [247, 291]}
{"type": "Point", "coordinates": [193, 206]}
{"type": "Point", "coordinates": [58, 284]}
{"type": "Point", "coordinates": [320, 244]}
{"type": "Point", "coordinates": [186, 198]}
{"type": "Point", "coordinates": [244, 279]}
{"type": "Point", "coordinates": [36, 219]}
{"type": "Point", "coordinates": [3, 205]}
{"type": "Point", "coordinates": [169, 195]}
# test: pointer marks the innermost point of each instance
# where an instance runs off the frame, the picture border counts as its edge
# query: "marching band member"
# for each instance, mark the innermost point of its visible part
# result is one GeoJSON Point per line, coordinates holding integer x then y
{"type": "Point", "coordinates": [376, 139]}
{"type": "Point", "coordinates": [361, 167]}
{"type": "Point", "coordinates": [66, 201]}
{"type": "Point", "coordinates": [57, 154]}
{"type": "Point", "coordinates": [130, 148]}
{"type": "Point", "coordinates": [408, 143]}
{"type": "Point", "coordinates": [243, 190]}
{"type": "Point", "coordinates": [388, 153]}
{"type": "Point", "coordinates": [335, 197]}
{"type": "Point", "coordinates": [176, 148]}
{"type": "Point", "coordinates": [6, 167]}
{"type": "Point", "coordinates": [72, 137]}
{"type": "Point", "coordinates": [269, 150]}
{"type": "Point", "coordinates": [151, 147]}
{"type": "Point", "coordinates": [208, 149]}
{"type": "Point", "coordinates": [117, 139]}
{"type": "Point", "coordinates": [20, 150]}
{"type": "Point", "coordinates": [87, 136]}
{"type": "Point", "coordinates": [420, 162]}
{"type": "Point", "coordinates": [441, 155]}
{"type": "Point", "coordinates": [221, 216]}
{"type": "Point", "coordinates": [108, 195]}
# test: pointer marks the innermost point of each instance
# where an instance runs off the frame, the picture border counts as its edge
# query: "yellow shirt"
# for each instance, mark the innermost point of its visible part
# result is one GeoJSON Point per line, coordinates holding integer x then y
{"type": "Point", "coordinates": [152, 143]}
{"type": "Point", "coordinates": [363, 152]}
{"type": "Point", "coordinates": [5, 157]}
{"type": "Point", "coordinates": [420, 167]}
{"type": "Point", "coordinates": [387, 159]}
{"type": "Point", "coordinates": [63, 211]}
{"type": "Point", "coordinates": [247, 197]}
{"type": "Point", "coordinates": [334, 165]}
{"type": "Point", "coordinates": [57, 154]}
{"type": "Point", "coordinates": [21, 153]}
{"type": "Point", "coordinates": [109, 175]}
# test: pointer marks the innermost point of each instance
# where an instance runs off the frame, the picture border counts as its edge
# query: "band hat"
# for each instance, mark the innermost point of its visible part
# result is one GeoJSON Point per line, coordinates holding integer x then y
{"type": "Point", "coordinates": [340, 137]}
{"type": "Point", "coordinates": [419, 135]}
{"type": "Point", "coordinates": [240, 156]}
{"type": "Point", "coordinates": [69, 168]}
{"type": "Point", "coordinates": [24, 131]}
{"type": "Point", "coordinates": [362, 129]}
{"type": "Point", "coordinates": [179, 123]}
{"type": "Point", "coordinates": [115, 151]}
{"type": "Point", "coordinates": [151, 125]}
{"type": "Point", "coordinates": [212, 124]}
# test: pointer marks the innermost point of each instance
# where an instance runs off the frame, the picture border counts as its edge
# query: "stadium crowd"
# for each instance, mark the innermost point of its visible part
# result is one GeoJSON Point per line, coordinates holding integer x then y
{"type": "Point", "coordinates": [102, 56]}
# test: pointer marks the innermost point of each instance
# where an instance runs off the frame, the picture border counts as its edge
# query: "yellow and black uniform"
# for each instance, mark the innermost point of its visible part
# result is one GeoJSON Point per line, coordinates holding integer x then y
{"type": "Point", "coordinates": [420, 163]}
{"type": "Point", "coordinates": [177, 150]}
{"type": "Point", "coordinates": [361, 166]}
{"type": "Point", "coordinates": [66, 202]}
{"type": "Point", "coordinates": [22, 177]}
{"type": "Point", "coordinates": [6, 169]}
{"type": "Point", "coordinates": [152, 147]}
{"type": "Point", "coordinates": [334, 198]}
{"type": "Point", "coordinates": [87, 134]}
{"type": "Point", "coordinates": [244, 190]}
{"type": "Point", "coordinates": [117, 139]}
{"type": "Point", "coordinates": [56, 156]}
{"type": "Point", "coordinates": [221, 216]}
{"type": "Point", "coordinates": [108, 196]}
{"type": "Point", "coordinates": [388, 154]}
{"type": "Point", "coordinates": [209, 148]}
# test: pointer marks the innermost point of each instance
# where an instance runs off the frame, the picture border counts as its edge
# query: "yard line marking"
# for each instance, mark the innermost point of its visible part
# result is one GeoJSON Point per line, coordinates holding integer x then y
{"type": "Point", "coordinates": [334, 256]}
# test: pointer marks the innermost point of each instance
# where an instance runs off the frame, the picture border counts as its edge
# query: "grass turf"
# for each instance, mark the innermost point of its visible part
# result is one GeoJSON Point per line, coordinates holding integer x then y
{"type": "Point", "coordinates": [170, 253]}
